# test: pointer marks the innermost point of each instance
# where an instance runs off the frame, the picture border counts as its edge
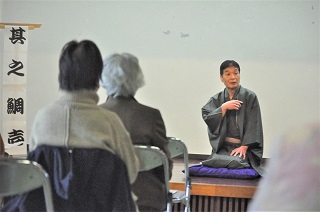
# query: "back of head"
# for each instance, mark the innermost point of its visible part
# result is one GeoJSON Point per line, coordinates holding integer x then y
{"type": "Point", "coordinates": [122, 75]}
{"type": "Point", "coordinates": [228, 63]}
{"type": "Point", "coordinates": [80, 66]}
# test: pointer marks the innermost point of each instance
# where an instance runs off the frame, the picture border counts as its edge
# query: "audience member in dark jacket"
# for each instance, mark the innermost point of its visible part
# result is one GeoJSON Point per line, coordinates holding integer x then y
{"type": "Point", "coordinates": [122, 77]}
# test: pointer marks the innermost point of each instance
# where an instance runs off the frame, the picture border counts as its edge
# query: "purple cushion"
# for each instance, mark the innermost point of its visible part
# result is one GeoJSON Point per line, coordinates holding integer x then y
{"type": "Point", "coordinates": [204, 171]}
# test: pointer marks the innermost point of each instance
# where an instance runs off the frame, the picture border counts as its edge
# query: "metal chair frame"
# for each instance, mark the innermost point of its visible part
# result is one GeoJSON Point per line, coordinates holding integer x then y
{"type": "Point", "coordinates": [151, 157]}
{"type": "Point", "coordinates": [18, 176]}
{"type": "Point", "coordinates": [178, 148]}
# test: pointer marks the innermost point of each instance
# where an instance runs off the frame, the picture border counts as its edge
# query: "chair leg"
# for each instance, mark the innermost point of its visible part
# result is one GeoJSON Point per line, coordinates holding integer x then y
{"type": "Point", "coordinates": [169, 202]}
{"type": "Point", "coordinates": [169, 207]}
{"type": "Point", "coordinates": [186, 208]}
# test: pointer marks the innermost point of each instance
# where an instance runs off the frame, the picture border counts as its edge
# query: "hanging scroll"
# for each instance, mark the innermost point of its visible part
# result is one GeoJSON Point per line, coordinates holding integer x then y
{"type": "Point", "coordinates": [14, 83]}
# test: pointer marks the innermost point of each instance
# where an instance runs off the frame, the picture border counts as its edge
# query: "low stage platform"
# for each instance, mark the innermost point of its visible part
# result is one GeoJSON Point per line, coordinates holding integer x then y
{"type": "Point", "coordinates": [213, 194]}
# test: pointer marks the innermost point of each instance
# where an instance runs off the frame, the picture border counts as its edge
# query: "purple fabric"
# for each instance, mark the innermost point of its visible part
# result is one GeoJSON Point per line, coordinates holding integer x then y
{"type": "Point", "coordinates": [204, 171]}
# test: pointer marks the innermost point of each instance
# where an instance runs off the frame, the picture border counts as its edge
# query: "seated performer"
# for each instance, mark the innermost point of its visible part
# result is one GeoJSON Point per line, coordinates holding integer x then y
{"type": "Point", "coordinates": [122, 77]}
{"type": "Point", "coordinates": [234, 123]}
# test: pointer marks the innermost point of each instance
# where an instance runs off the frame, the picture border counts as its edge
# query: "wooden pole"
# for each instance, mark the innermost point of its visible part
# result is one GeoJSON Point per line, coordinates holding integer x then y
{"type": "Point", "coordinates": [30, 26]}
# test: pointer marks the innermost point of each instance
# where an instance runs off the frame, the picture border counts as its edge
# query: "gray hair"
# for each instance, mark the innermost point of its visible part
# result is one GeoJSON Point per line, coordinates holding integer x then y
{"type": "Point", "coordinates": [121, 75]}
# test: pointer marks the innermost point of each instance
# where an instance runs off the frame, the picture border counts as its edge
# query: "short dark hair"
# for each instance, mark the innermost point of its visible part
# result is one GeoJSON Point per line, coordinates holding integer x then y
{"type": "Point", "coordinates": [228, 63]}
{"type": "Point", "coordinates": [80, 66]}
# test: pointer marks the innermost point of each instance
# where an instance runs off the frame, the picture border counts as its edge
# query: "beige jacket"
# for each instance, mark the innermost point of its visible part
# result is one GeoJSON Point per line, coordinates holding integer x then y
{"type": "Point", "coordinates": [75, 120]}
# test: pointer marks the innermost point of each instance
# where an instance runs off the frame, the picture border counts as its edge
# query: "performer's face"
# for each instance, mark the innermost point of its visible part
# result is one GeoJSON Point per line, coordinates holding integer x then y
{"type": "Point", "coordinates": [231, 77]}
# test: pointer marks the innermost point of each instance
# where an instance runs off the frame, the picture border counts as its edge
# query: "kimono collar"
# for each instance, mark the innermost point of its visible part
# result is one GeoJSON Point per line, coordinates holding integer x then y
{"type": "Point", "coordinates": [236, 93]}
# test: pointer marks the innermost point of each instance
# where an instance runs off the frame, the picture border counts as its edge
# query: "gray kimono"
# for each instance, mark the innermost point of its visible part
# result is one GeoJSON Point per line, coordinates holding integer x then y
{"type": "Point", "coordinates": [248, 120]}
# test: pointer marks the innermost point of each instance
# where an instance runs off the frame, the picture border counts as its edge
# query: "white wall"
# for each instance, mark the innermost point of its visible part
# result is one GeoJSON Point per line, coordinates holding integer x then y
{"type": "Point", "coordinates": [180, 45]}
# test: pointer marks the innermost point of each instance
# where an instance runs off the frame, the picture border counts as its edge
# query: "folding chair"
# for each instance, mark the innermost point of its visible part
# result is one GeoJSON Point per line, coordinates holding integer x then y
{"type": "Point", "coordinates": [151, 157]}
{"type": "Point", "coordinates": [101, 184]}
{"type": "Point", "coordinates": [18, 176]}
{"type": "Point", "coordinates": [177, 148]}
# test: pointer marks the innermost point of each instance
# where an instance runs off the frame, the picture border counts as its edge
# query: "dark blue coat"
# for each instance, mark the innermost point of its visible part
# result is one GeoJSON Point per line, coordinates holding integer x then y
{"type": "Point", "coordinates": [81, 180]}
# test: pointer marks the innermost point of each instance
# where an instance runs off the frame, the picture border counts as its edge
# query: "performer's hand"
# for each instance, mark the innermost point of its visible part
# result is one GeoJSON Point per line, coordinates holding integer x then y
{"type": "Point", "coordinates": [231, 105]}
{"type": "Point", "coordinates": [241, 151]}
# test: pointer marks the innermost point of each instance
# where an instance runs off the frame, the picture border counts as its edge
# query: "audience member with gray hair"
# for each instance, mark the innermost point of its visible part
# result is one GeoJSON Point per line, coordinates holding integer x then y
{"type": "Point", "coordinates": [122, 77]}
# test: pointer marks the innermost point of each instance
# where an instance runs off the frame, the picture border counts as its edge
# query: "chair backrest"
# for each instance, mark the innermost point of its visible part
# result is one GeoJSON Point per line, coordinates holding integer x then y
{"type": "Point", "coordinates": [178, 148]}
{"type": "Point", "coordinates": [18, 176]}
{"type": "Point", "coordinates": [151, 157]}
{"type": "Point", "coordinates": [85, 179]}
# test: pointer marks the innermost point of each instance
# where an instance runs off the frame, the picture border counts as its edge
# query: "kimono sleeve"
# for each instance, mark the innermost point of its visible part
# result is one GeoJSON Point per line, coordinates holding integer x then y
{"type": "Point", "coordinates": [253, 133]}
{"type": "Point", "coordinates": [212, 115]}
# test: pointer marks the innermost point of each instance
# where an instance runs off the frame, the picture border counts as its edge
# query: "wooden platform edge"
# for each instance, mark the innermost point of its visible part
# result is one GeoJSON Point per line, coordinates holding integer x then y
{"type": "Point", "coordinates": [235, 191]}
